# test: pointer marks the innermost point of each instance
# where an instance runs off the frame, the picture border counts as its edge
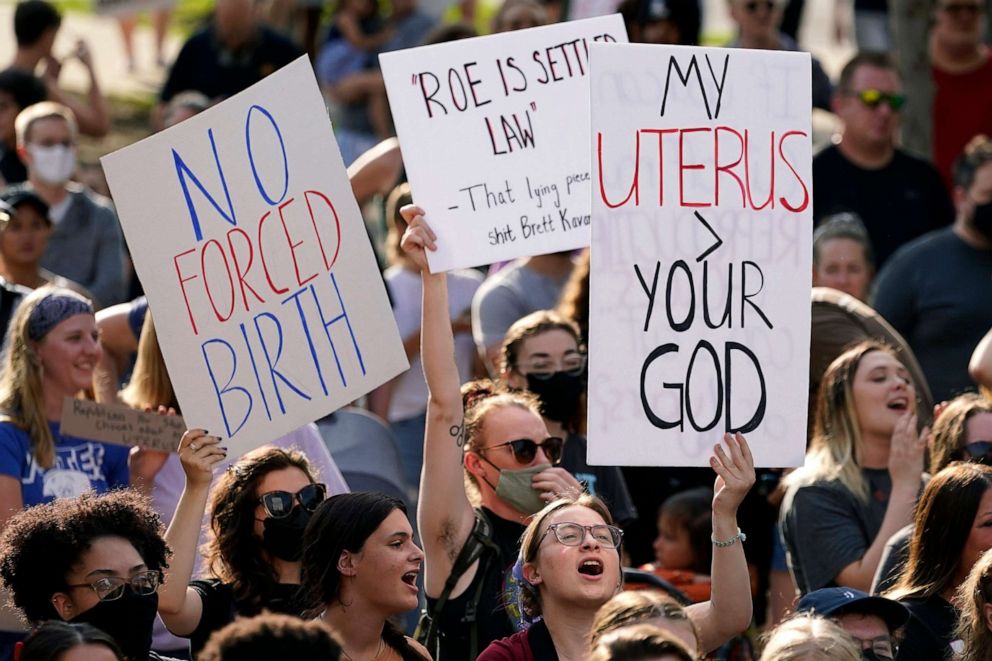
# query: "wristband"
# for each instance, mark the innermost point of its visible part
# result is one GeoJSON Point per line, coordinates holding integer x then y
{"type": "Point", "coordinates": [730, 542]}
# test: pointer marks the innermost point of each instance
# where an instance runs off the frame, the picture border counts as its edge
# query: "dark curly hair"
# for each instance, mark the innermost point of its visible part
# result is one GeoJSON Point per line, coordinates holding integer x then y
{"type": "Point", "coordinates": [40, 544]}
{"type": "Point", "coordinates": [272, 636]}
{"type": "Point", "coordinates": [343, 523]}
{"type": "Point", "coordinates": [233, 552]}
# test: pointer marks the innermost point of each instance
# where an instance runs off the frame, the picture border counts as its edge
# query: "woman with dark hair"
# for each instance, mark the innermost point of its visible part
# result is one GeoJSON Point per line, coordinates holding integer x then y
{"type": "Point", "coordinates": [974, 597]}
{"type": "Point", "coordinates": [862, 474]}
{"type": "Point", "coordinates": [360, 568]}
{"type": "Point", "coordinates": [482, 446]}
{"type": "Point", "coordinates": [271, 636]}
{"type": "Point", "coordinates": [258, 511]}
{"type": "Point", "coordinates": [95, 559]}
{"type": "Point", "coordinates": [953, 529]}
{"type": "Point", "coordinates": [64, 641]}
{"type": "Point", "coordinates": [641, 642]}
{"type": "Point", "coordinates": [654, 607]}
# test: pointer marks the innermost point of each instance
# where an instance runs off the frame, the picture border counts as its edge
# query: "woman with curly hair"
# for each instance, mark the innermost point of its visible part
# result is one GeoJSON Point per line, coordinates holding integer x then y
{"type": "Point", "coordinates": [96, 559]}
{"type": "Point", "coordinates": [360, 568]}
{"type": "Point", "coordinates": [974, 597]}
{"type": "Point", "coordinates": [488, 445]}
{"type": "Point", "coordinates": [258, 510]}
{"type": "Point", "coordinates": [53, 347]}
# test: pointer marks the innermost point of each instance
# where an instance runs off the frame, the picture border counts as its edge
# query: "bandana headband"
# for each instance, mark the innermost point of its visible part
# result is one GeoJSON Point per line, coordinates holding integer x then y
{"type": "Point", "coordinates": [52, 310]}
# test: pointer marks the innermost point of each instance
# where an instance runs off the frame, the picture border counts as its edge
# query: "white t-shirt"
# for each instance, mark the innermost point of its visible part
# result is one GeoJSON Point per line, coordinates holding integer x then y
{"type": "Point", "coordinates": [410, 393]}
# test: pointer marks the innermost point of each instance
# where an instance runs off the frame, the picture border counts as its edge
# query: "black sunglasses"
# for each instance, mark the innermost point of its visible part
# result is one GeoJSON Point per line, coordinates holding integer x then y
{"type": "Point", "coordinates": [978, 452]}
{"type": "Point", "coordinates": [524, 449]}
{"type": "Point", "coordinates": [278, 504]}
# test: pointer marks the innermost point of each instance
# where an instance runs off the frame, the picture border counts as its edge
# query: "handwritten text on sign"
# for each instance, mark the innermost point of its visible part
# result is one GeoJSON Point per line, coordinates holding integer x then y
{"type": "Point", "coordinates": [267, 298]}
{"type": "Point", "coordinates": [701, 253]}
{"type": "Point", "coordinates": [121, 425]}
{"type": "Point", "coordinates": [493, 132]}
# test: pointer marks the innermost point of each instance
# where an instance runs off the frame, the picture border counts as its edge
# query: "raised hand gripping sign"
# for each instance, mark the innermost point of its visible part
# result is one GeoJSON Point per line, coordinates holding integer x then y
{"type": "Point", "coordinates": [267, 297]}
{"type": "Point", "coordinates": [701, 253]}
{"type": "Point", "coordinates": [494, 138]}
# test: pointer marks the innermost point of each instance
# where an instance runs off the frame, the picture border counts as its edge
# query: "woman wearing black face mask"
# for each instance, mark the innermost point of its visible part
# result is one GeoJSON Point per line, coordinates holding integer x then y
{"type": "Point", "coordinates": [542, 353]}
{"type": "Point", "coordinates": [259, 509]}
{"type": "Point", "coordinates": [95, 559]}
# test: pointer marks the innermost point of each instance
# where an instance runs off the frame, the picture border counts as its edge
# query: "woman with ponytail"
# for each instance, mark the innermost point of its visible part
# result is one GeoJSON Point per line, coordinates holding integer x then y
{"type": "Point", "coordinates": [360, 568]}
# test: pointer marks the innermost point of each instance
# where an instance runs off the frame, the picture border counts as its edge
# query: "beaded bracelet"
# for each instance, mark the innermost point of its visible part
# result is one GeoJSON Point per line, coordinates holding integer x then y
{"type": "Point", "coordinates": [730, 542]}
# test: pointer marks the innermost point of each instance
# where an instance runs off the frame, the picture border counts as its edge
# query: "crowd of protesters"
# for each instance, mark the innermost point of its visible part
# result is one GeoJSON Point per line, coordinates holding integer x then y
{"type": "Point", "coordinates": [496, 530]}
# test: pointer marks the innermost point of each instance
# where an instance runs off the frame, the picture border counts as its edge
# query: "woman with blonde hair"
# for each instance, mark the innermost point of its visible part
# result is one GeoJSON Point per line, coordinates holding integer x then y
{"type": "Point", "coordinates": [810, 638]}
{"type": "Point", "coordinates": [53, 346]}
{"type": "Point", "coordinates": [632, 607]}
{"type": "Point", "coordinates": [974, 597]}
{"type": "Point", "coordinates": [862, 475]}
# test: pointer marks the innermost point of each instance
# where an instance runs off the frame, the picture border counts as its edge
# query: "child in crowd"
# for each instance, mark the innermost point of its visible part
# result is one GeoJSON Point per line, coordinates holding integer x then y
{"type": "Point", "coordinates": [683, 550]}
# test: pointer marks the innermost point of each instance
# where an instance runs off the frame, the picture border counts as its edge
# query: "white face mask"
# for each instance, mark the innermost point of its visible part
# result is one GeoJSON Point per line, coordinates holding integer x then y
{"type": "Point", "coordinates": [53, 165]}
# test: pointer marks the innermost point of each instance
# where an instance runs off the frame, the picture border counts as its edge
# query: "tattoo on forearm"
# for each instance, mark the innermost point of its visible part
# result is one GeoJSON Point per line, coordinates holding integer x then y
{"type": "Point", "coordinates": [457, 432]}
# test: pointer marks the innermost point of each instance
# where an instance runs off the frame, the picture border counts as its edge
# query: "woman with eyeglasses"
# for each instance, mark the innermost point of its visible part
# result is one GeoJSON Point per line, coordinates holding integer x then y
{"type": "Point", "coordinates": [498, 441]}
{"type": "Point", "coordinates": [259, 509]}
{"type": "Point", "coordinates": [95, 559]}
{"type": "Point", "coordinates": [953, 529]}
{"type": "Point", "coordinates": [570, 568]}
{"type": "Point", "coordinates": [360, 568]}
{"type": "Point", "coordinates": [543, 354]}
{"type": "Point", "coordinates": [862, 475]}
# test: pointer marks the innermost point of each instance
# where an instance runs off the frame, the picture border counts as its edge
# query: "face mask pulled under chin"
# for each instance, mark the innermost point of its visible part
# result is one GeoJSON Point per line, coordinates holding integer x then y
{"type": "Point", "coordinates": [514, 488]}
{"type": "Point", "coordinates": [54, 164]}
{"type": "Point", "coordinates": [128, 620]}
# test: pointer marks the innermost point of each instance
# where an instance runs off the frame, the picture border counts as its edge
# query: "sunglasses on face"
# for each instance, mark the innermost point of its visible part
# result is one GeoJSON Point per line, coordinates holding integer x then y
{"type": "Point", "coordinates": [978, 452]}
{"type": "Point", "coordinates": [524, 449]}
{"type": "Point", "coordinates": [278, 504]}
{"type": "Point", "coordinates": [111, 588]}
{"type": "Point", "coordinates": [873, 98]}
{"type": "Point", "coordinates": [573, 534]}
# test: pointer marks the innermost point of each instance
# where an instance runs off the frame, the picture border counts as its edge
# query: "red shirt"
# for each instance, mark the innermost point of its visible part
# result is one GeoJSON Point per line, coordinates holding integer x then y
{"type": "Point", "coordinates": [962, 109]}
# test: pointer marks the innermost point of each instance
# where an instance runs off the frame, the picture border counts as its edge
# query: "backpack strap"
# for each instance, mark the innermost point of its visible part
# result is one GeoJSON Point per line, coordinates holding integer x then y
{"type": "Point", "coordinates": [479, 542]}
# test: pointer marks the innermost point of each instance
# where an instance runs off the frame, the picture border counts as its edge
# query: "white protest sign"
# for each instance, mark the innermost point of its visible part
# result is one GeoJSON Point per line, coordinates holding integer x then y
{"type": "Point", "coordinates": [701, 253]}
{"type": "Point", "coordinates": [493, 131]}
{"type": "Point", "coordinates": [268, 301]}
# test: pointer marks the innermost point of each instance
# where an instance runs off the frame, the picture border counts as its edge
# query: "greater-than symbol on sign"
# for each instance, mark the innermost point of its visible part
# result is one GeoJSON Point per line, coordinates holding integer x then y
{"type": "Point", "coordinates": [719, 241]}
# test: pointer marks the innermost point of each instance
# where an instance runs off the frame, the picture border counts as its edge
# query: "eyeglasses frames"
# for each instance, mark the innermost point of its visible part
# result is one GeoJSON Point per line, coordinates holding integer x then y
{"type": "Point", "coordinates": [111, 588]}
{"type": "Point", "coordinates": [573, 534]}
{"type": "Point", "coordinates": [279, 504]}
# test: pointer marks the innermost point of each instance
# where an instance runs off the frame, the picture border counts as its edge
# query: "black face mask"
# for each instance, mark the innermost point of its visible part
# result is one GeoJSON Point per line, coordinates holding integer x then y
{"type": "Point", "coordinates": [559, 394]}
{"type": "Point", "coordinates": [982, 220]}
{"type": "Point", "coordinates": [128, 620]}
{"type": "Point", "coordinates": [283, 537]}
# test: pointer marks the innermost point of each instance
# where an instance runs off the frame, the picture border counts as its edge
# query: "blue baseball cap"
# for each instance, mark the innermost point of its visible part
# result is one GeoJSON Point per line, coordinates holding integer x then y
{"type": "Point", "coordinates": [833, 602]}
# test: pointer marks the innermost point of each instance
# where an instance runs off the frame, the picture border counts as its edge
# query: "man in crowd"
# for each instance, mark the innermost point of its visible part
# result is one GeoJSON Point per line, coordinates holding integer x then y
{"type": "Point", "coordinates": [962, 76]}
{"type": "Point", "coordinates": [18, 90]}
{"type": "Point", "coordinates": [232, 53]}
{"type": "Point", "coordinates": [937, 290]}
{"type": "Point", "coordinates": [86, 245]}
{"type": "Point", "coordinates": [898, 196]}
{"type": "Point", "coordinates": [36, 24]}
{"type": "Point", "coordinates": [871, 621]}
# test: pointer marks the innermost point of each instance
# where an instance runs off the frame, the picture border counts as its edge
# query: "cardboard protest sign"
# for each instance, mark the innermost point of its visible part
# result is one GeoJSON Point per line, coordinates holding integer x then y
{"type": "Point", "coordinates": [701, 253]}
{"type": "Point", "coordinates": [267, 297]}
{"type": "Point", "coordinates": [122, 425]}
{"type": "Point", "coordinates": [494, 131]}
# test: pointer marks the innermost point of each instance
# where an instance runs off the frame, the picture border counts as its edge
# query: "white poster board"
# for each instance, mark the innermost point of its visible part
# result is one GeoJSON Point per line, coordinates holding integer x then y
{"type": "Point", "coordinates": [267, 297]}
{"type": "Point", "coordinates": [701, 253]}
{"type": "Point", "coordinates": [494, 132]}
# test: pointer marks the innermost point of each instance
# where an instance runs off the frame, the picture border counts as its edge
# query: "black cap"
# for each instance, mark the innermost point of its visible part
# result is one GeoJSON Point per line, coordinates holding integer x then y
{"type": "Point", "coordinates": [15, 196]}
{"type": "Point", "coordinates": [833, 602]}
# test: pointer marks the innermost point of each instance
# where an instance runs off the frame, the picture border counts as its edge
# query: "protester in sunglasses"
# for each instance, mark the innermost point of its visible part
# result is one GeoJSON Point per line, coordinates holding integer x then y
{"type": "Point", "coordinates": [570, 568]}
{"type": "Point", "coordinates": [259, 509]}
{"type": "Point", "coordinates": [865, 173]}
{"type": "Point", "coordinates": [542, 353]}
{"type": "Point", "coordinates": [475, 436]}
{"type": "Point", "coordinates": [360, 568]}
{"type": "Point", "coordinates": [95, 559]}
{"type": "Point", "coordinates": [758, 24]}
